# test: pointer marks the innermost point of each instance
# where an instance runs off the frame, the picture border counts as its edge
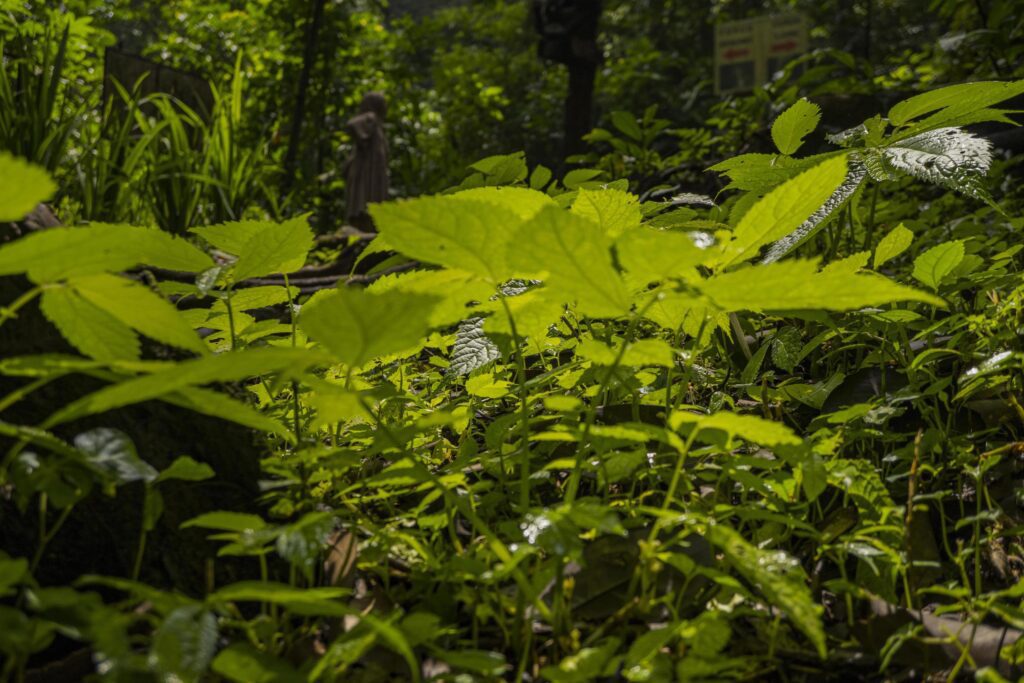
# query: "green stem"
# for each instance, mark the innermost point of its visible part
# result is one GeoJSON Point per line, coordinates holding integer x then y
{"type": "Point", "coordinates": [524, 414]}
{"type": "Point", "coordinates": [11, 311]}
{"type": "Point", "coordinates": [231, 318]}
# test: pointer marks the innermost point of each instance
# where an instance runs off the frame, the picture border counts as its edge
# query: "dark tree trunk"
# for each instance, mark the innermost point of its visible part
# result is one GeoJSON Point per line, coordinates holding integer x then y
{"type": "Point", "coordinates": [579, 106]}
{"type": "Point", "coordinates": [313, 27]}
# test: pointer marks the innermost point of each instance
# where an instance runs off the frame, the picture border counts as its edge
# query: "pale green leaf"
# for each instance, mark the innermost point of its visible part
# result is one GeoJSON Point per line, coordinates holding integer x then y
{"type": "Point", "coordinates": [893, 244]}
{"type": "Point", "coordinates": [775, 575]}
{"type": "Point", "coordinates": [650, 255]}
{"type": "Point", "coordinates": [279, 248]}
{"type": "Point", "coordinates": [87, 327]}
{"type": "Point", "coordinates": [138, 307]}
{"type": "Point", "coordinates": [952, 102]}
{"type": "Point", "coordinates": [232, 237]}
{"type": "Point", "coordinates": [572, 254]}
{"type": "Point", "coordinates": [523, 202]}
{"type": "Point", "coordinates": [227, 367]}
{"type": "Point", "coordinates": [458, 288]}
{"type": "Point", "coordinates": [796, 285]}
{"type": "Point", "coordinates": [357, 326]}
{"type": "Point", "coordinates": [747, 427]}
{"type": "Point", "coordinates": [935, 264]}
{"type": "Point", "coordinates": [784, 209]}
{"type": "Point", "coordinates": [849, 265]}
{"type": "Point", "coordinates": [639, 353]}
{"type": "Point", "coordinates": [185, 468]}
{"type": "Point", "coordinates": [60, 253]}
{"type": "Point", "coordinates": [486, 386]}
{"type": "Point", "coordinates": [614, 210]}
{"type": "Point", "coordinates": [24, 186]}
{"type": "Point", "coordinates": [250, 298]}
{"type": "Point", "coordinates": [794, 124]}
{"type": "Point", "coordinates": [533, 312]}
{"type": "Point", "coordinates": [470, 235]}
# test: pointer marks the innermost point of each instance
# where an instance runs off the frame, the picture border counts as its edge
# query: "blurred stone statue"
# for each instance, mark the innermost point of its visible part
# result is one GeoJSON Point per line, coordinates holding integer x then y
{"type": "Point", "coordinates": [366, 173]}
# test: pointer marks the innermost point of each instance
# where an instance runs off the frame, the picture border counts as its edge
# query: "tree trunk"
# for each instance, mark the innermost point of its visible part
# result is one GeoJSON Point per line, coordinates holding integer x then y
{"type": "Point", "coordinates": [313, 26]}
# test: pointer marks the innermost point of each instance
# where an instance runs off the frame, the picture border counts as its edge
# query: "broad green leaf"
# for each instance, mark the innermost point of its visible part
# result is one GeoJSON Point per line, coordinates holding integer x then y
{"type": "Point", "coordinates": [111, 451]}
{"type": "Point", "coordinates": [849, 265]}
{"type": "Point", "coordinates": [467, 234]}
{"type": "Point", "coordinates": [614, 210]}
{"type": "Point", "coordinates": [185, 468]}
{"type": "Point", "coordinates": [747, 427]}
{"type": "Point", "coordinates": [459, 289]}
{"type": "Point", "coordinates": [639, 353]}
{"type": "Point", "coordinates": [627, 124]}
{"type": "Point", "coordinates": [519, 200]}
{"type": "Point", "coordinates": [777, 576]}
{"type": "Point", "coordinates": [761, 173]}
{"type": "Point", "coordinates": [227, 367]}
{"type": "Point", "coordinates": [533, 312]}
{"type": "Point", "coordinates": [184, 644]}
{"type": "Point", "coordinates": [893, 244]}
{"type": "Point", "coordinates": [572, 255]}
{"type": "Point", "coordinates": [226, 521]}
{"type": "Point", "coordinates": [280, 248]}
{"type": "Point", "coordinates": [138, 307]}
{"type": "Point", "coordinates": [87, 327]}
{"type": "Point", "coordinates": [650, 255]}
{"type": "Point", "coordinates": [24, 186]}
{"type": "Point", "coordinates": [796, 284]}
{"type": "Point", "coordinates": [216, 404]}
{"type": "Point", "coordinates": [304, 600]}
{"type": "Point", "coordinates": [784, 209]}
{"type": "Point", "coordinates": [242, 663]}
{"type": "Point", "coordinates": [250, 298]}
{"type": "Point", "coordinates": [357, 327]}
{"type": "Point", "coordinates": [485, 386]}
{"type": "Point", "coordinates": [935, 264]}
{"type": "Point", "coordinates": [232, 237]}
{"type": "Point", "coordinates": [953, 101]}
{"type": "Point", "coordinates": [794, 124]}
{"type": "Point", "coordinates": [60, 253]}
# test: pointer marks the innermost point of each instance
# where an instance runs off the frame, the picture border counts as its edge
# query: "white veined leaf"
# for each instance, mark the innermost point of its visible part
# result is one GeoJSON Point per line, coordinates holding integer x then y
{"type": "Point", "coordinates": [472, 349]}
{"type": "Point", "coordinates": [948, 157]}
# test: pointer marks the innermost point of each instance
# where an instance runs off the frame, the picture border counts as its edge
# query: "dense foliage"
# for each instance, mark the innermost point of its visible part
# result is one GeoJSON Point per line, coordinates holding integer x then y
{"type": "Point", "coordinates": [578, 425]}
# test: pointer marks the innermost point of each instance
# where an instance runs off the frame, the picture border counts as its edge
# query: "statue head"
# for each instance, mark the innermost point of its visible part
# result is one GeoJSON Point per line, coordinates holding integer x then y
{"type": "Point", "coordinates": [376, 103]}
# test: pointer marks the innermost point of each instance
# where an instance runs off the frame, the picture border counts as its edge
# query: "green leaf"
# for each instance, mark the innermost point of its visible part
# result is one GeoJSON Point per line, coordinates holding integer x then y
{"type": "Point", "coordinates": [794, 124]}
{"type": "Point", "coordinates": [139, 308]}
{"type": "Point", "coordinates": [747, 427]}
{"type": "Point", "coordinates": [627, 124]}
{"type": "Point", "coordinates": [232, 237]}
{"type": "Point", "coordinates": [111, 451]}
{"type": "Point", "coordinates": [278, 248]}
{"type": "Point", "coordinates": [642, 352]}
{"type": "Point", "coordinates": [650, 255]}
{"type": "Point", "coordinates": [215, 404]}
{"type": "Point", "coordinates": [775, 575]}
{"type": "Point", "coordinates": [357, 327]}
{"type": "Point", "coordinates": [238, 522]}
{"type": "Point", "coordinates": [467, 234]}
{"type": "Point", "coordinates": [572, 255]}
{"type": "Point", "coordinates": [485, 386]}
{"type": "Point", "coordinates": [250, 298]}
{"type": "Point", "coordinates": [523, 202]}
{"type": "Point", "coordinates": [935, 264]}
{"type": "Point", "coordinates": [88, 327]}
{"type": "Point", "coordinates": [795, 285]}
{"type": "Point", "coordinates": [184, 644]}
{"type": "Point", "coordinates": [242, 663]}
{"type": "Point", "coordinates": [61, 253]}
{"type": "Point", "coordinates": [784, 209]}
{"type": "Point", "coordinates": [893, 244]}
{"type": "Point", "coordinates": [301, 600]}
{"type": "Point", "coordinates": [185, 468]}
{"type": "Point", "coordinates": [228, 367]}
{"type": "Point", "coordinates": [24, 186]}
{"type": "Point", "coordinates": [614, 210]}
{"type": "Point", "coordinates": [952, 102]}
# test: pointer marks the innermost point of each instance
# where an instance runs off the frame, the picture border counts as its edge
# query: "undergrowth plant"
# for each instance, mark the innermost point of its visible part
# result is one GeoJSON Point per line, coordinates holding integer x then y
{"type": "Point", "coordinates": [588, 438]}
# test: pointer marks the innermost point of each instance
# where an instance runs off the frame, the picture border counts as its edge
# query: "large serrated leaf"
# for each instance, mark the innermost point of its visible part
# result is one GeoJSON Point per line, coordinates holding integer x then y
{"type": "Point", "coordinates": [467, 234]}
{"type": "Point", "coordinates": [796, 284]}
{"type": "Point", "coordinates": [472, 349]}
{"type": "Point", "coordinates": [87, 327]}
{"type": "Point", "coordinates": [794, 124]}
{"type": "Point", "coordinates": [854, 177]}
{"type": "Point", "coordinates": [59, 253]}
{"type": "Point", "coordinates": [614, 210]}
{"type": "Point", "coordinates": [357, 327]}
{"type": "Point", "coordinates": [24, 186]}
{"type": "Point", "coordinates": [276, 249]}
{"type": "Point", "coordinates": [574, 253]}
{"type": "Point", "coordinates": [948, 157]}
{"type": "Point", "coordinates": [784, 210]}
{"type": "Point", "coordinates": [139, 308]}
{"type": "Point", "coordinates": [953, 102]}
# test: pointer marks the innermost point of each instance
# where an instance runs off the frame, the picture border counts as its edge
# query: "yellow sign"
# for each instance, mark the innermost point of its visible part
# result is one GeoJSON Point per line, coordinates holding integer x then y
{"type": "Point", "coordinates": [748, 52]}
